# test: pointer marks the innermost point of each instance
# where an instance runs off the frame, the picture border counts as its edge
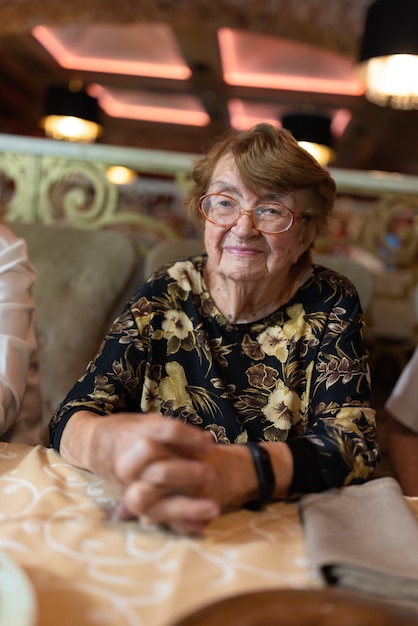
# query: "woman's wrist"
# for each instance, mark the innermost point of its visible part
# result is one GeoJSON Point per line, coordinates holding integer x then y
{"type": "Point", "coordinates": [77, 441]}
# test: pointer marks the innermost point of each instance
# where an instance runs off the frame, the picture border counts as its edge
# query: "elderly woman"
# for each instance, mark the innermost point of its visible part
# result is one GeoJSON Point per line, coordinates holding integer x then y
{"type": "Point", "coordinates": [248, 344]}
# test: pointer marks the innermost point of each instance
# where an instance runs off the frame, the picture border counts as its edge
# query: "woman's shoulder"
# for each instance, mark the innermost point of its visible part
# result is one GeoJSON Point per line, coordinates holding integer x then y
{"type": "Point", "coordinates": [350, 276]}
{"type": "Point", "coordinates": [328, 274]}
{"type": "Point", "coordinates": [329, 286]}
{"type": "Point", "coordinates": [180, 270]}
{"type": "Point", "coordinates": [177, 277]}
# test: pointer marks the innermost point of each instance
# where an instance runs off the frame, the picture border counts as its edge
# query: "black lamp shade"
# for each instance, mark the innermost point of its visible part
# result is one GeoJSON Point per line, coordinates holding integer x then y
{"type": "Point", "coordinates": [391, 28]}
{"type": "Point", "coordinates": [63, 101]}
{"type": "Point", "coordinates": [309, 127]}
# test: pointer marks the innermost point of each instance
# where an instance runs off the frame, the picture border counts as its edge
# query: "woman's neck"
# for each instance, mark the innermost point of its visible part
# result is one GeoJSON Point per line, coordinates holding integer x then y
{"type": "Point", "coordinates": [242, 302]}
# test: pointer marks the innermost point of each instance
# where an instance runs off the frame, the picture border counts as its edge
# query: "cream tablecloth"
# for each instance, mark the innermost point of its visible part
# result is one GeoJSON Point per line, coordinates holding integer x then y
{"type": "Point", "coordinates": [87, 568]}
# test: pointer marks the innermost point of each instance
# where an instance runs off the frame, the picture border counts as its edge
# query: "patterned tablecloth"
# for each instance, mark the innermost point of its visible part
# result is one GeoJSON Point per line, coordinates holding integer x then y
{"type": "Point", "coordinates": [87, 568]}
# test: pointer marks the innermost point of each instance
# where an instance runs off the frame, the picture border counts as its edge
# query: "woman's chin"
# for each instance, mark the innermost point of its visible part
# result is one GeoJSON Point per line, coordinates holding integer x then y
{"type": "Point", "coordinates": [242, 271]}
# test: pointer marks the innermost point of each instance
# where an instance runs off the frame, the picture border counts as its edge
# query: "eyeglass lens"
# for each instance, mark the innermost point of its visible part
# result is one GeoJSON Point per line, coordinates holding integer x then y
{"type": "Point", "coordinates": [271, 217]}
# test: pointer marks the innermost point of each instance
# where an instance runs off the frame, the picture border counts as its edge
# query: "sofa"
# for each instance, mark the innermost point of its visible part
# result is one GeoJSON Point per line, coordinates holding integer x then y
{"type": "Point", "coordinates": [83, 279]}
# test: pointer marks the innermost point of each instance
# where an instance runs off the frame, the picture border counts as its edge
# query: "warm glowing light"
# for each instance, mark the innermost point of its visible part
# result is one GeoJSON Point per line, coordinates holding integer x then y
{"type": "Point", "coordinates": [151, 107]}
{"type": "Point", "coordinates": [323, 154]}
{"type": "Point", "coordinates": [70, 128]}
{"type": "Point", "coordinates": [246, 114]}
{"type": "Point", "coordinates": [391, 80]}
{"type": "Point", "coordinates": [120, 175]}
{"type": "Point", "coordinates": [142, 49]}
{"type": "Point", "coordinates": [254, 60]}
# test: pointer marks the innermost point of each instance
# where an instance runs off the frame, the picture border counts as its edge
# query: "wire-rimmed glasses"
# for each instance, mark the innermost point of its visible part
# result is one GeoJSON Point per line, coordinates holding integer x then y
{"type": "Point", "coordinates": [271, 218]}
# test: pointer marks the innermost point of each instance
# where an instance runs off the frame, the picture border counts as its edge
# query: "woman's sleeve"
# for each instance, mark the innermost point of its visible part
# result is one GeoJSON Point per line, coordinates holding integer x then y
{"type": "Point", "coordinates": [340, 447]}
{"type": "Point", "coordinates": [17, 326]}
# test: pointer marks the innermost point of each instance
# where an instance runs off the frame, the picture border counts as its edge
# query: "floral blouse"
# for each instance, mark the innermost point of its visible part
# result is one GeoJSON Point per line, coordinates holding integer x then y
{"type": "Point", "coordinates": [299, 375]}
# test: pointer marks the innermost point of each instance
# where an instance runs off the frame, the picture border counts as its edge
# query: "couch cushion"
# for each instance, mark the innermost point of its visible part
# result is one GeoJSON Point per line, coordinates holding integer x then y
{"type": "Point", "coordinates": [167, 251]}
{"type": "Point", "coordinates": [83, 279]}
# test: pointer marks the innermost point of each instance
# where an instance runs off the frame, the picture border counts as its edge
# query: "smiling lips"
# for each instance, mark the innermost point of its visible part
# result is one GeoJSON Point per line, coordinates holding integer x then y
{"type": "Point", "coordinates": [241, 251]}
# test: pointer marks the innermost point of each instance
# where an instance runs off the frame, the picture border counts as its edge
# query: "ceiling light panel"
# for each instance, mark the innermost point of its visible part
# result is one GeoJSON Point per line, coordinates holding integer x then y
{"type": "Point", "coordinates": [138, 49]}
{"type": "Point", "coordinates": [254, 60]}
{"type": "Point", "coordinates": [150, 106]}
{"type": "Point", "coordinates": [244, 114]}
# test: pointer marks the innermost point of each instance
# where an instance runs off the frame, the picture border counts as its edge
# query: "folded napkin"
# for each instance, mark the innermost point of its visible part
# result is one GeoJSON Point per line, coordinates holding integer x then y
{"type": "Point", "coordinates": [364, 537]}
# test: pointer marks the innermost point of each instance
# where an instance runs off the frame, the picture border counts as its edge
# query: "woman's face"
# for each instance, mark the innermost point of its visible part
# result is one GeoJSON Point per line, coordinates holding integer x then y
{"type": "Point", "coordinates": [240, 252]}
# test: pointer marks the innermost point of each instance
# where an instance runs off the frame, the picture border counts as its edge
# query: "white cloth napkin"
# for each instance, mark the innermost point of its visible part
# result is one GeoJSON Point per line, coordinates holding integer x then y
{"type": "Point", "coordinates": [364, 537]}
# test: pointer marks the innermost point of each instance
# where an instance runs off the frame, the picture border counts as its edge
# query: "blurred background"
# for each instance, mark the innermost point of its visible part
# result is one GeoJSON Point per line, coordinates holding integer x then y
{"type": "Point", "coordinates": [174, 74]}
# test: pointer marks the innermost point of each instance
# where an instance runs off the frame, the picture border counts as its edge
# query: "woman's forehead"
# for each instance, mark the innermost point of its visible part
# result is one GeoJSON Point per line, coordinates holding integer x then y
{"type": "Point", "coordinates": [226, 163]}
{"type": "Point", "coordinates": [226, 178]}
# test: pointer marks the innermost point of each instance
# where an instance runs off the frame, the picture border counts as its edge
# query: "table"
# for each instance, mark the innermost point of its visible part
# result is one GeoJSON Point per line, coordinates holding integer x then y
{"type": "Point", "coordinates": [88, 568]}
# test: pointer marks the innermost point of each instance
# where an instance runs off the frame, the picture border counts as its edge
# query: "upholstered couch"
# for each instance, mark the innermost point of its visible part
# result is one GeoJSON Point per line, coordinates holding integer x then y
{"type": "Point", "coordinates": [83, 279]}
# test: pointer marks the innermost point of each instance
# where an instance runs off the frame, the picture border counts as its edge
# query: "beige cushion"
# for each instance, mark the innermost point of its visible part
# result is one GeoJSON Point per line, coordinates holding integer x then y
{"type": "Point", "coordinates": [167, 251]}
{"type": "Point", "coordinates": [83, 278]}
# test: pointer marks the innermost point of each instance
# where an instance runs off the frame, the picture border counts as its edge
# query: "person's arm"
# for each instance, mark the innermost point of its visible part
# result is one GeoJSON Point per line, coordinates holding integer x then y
{"type": "Point", "coordinates": [403, 455]}
{"type": "Point", "coordinates": [339, 446]}
{"type": "Point", "coordinates": [402, 427]}
{"type": "Point", "coordinates": [17, 326]}
{"type": "Point", "coordinates": [169, 472]}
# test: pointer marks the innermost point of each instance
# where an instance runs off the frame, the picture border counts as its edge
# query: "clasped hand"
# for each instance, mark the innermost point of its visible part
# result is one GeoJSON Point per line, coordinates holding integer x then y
{"type": "Point", "coordinates": [167, 472]}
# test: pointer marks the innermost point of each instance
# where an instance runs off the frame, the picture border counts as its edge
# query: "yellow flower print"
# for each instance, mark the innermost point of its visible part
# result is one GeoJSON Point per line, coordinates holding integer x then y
{"type": "Point", "coordinates": [177, 329]}
{"type": "Point", "coordinates": [348, 418]}
{"type": "Point", "coordinates": [177, 323]}
{"type": "Point", "coordinates": [296, 327]}
{"type": "Point", "coordinates": [174, 386]}
{"type": "Point", "coordinates": [141, 310]}
{"type": "Point", "coordinates": [186, 276]}
{"type": "Point", "coordinates": [151, 399]}
{"type": "Point", "coordinates": [283, 407]}
{"type": "Point", "coordinates": [274, 343]}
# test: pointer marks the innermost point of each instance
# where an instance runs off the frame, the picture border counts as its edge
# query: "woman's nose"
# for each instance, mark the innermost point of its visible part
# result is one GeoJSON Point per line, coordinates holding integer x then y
{"type": "Point", "coordinates": [245, 222]}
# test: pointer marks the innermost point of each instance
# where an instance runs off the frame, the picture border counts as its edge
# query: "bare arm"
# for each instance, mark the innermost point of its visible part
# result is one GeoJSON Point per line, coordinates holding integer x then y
{"type": "Point", "coordinates": [168, 472]}
{"type": "Point", "coordinates": [403, 454]}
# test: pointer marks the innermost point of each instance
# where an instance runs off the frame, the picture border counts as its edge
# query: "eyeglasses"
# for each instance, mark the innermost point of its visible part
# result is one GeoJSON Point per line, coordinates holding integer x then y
{"type": "Point", "coordinates": [271, 218]}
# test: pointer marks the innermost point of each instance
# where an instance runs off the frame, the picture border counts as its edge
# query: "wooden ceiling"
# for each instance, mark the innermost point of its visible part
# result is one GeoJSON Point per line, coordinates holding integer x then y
{"type": "Point", "coordinates": [375, 138]}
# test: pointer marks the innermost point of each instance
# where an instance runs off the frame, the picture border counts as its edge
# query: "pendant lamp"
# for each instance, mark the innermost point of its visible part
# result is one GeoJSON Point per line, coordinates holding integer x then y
{"type": "Point", "coordinates": [313, 133]}
{"type": "Point", "coordinates": [71, 114]}
{"type": "Point", "coordinates": [388, 61]}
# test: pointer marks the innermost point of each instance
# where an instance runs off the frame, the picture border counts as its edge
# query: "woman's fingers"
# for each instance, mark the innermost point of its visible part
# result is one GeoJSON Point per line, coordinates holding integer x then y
{"type": "Point", "coordinates": [182, 515]}
{"type": "Point", "coordinates": [179, 512]}
{"type": "Point", "coordinates": [185, 438]}
{"type": "Point", "coordinates": [165, 478]}
{"type": "Point", "coordinates": [179, 475]}
{"type": "Point", "coordinates": [142, 441]}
